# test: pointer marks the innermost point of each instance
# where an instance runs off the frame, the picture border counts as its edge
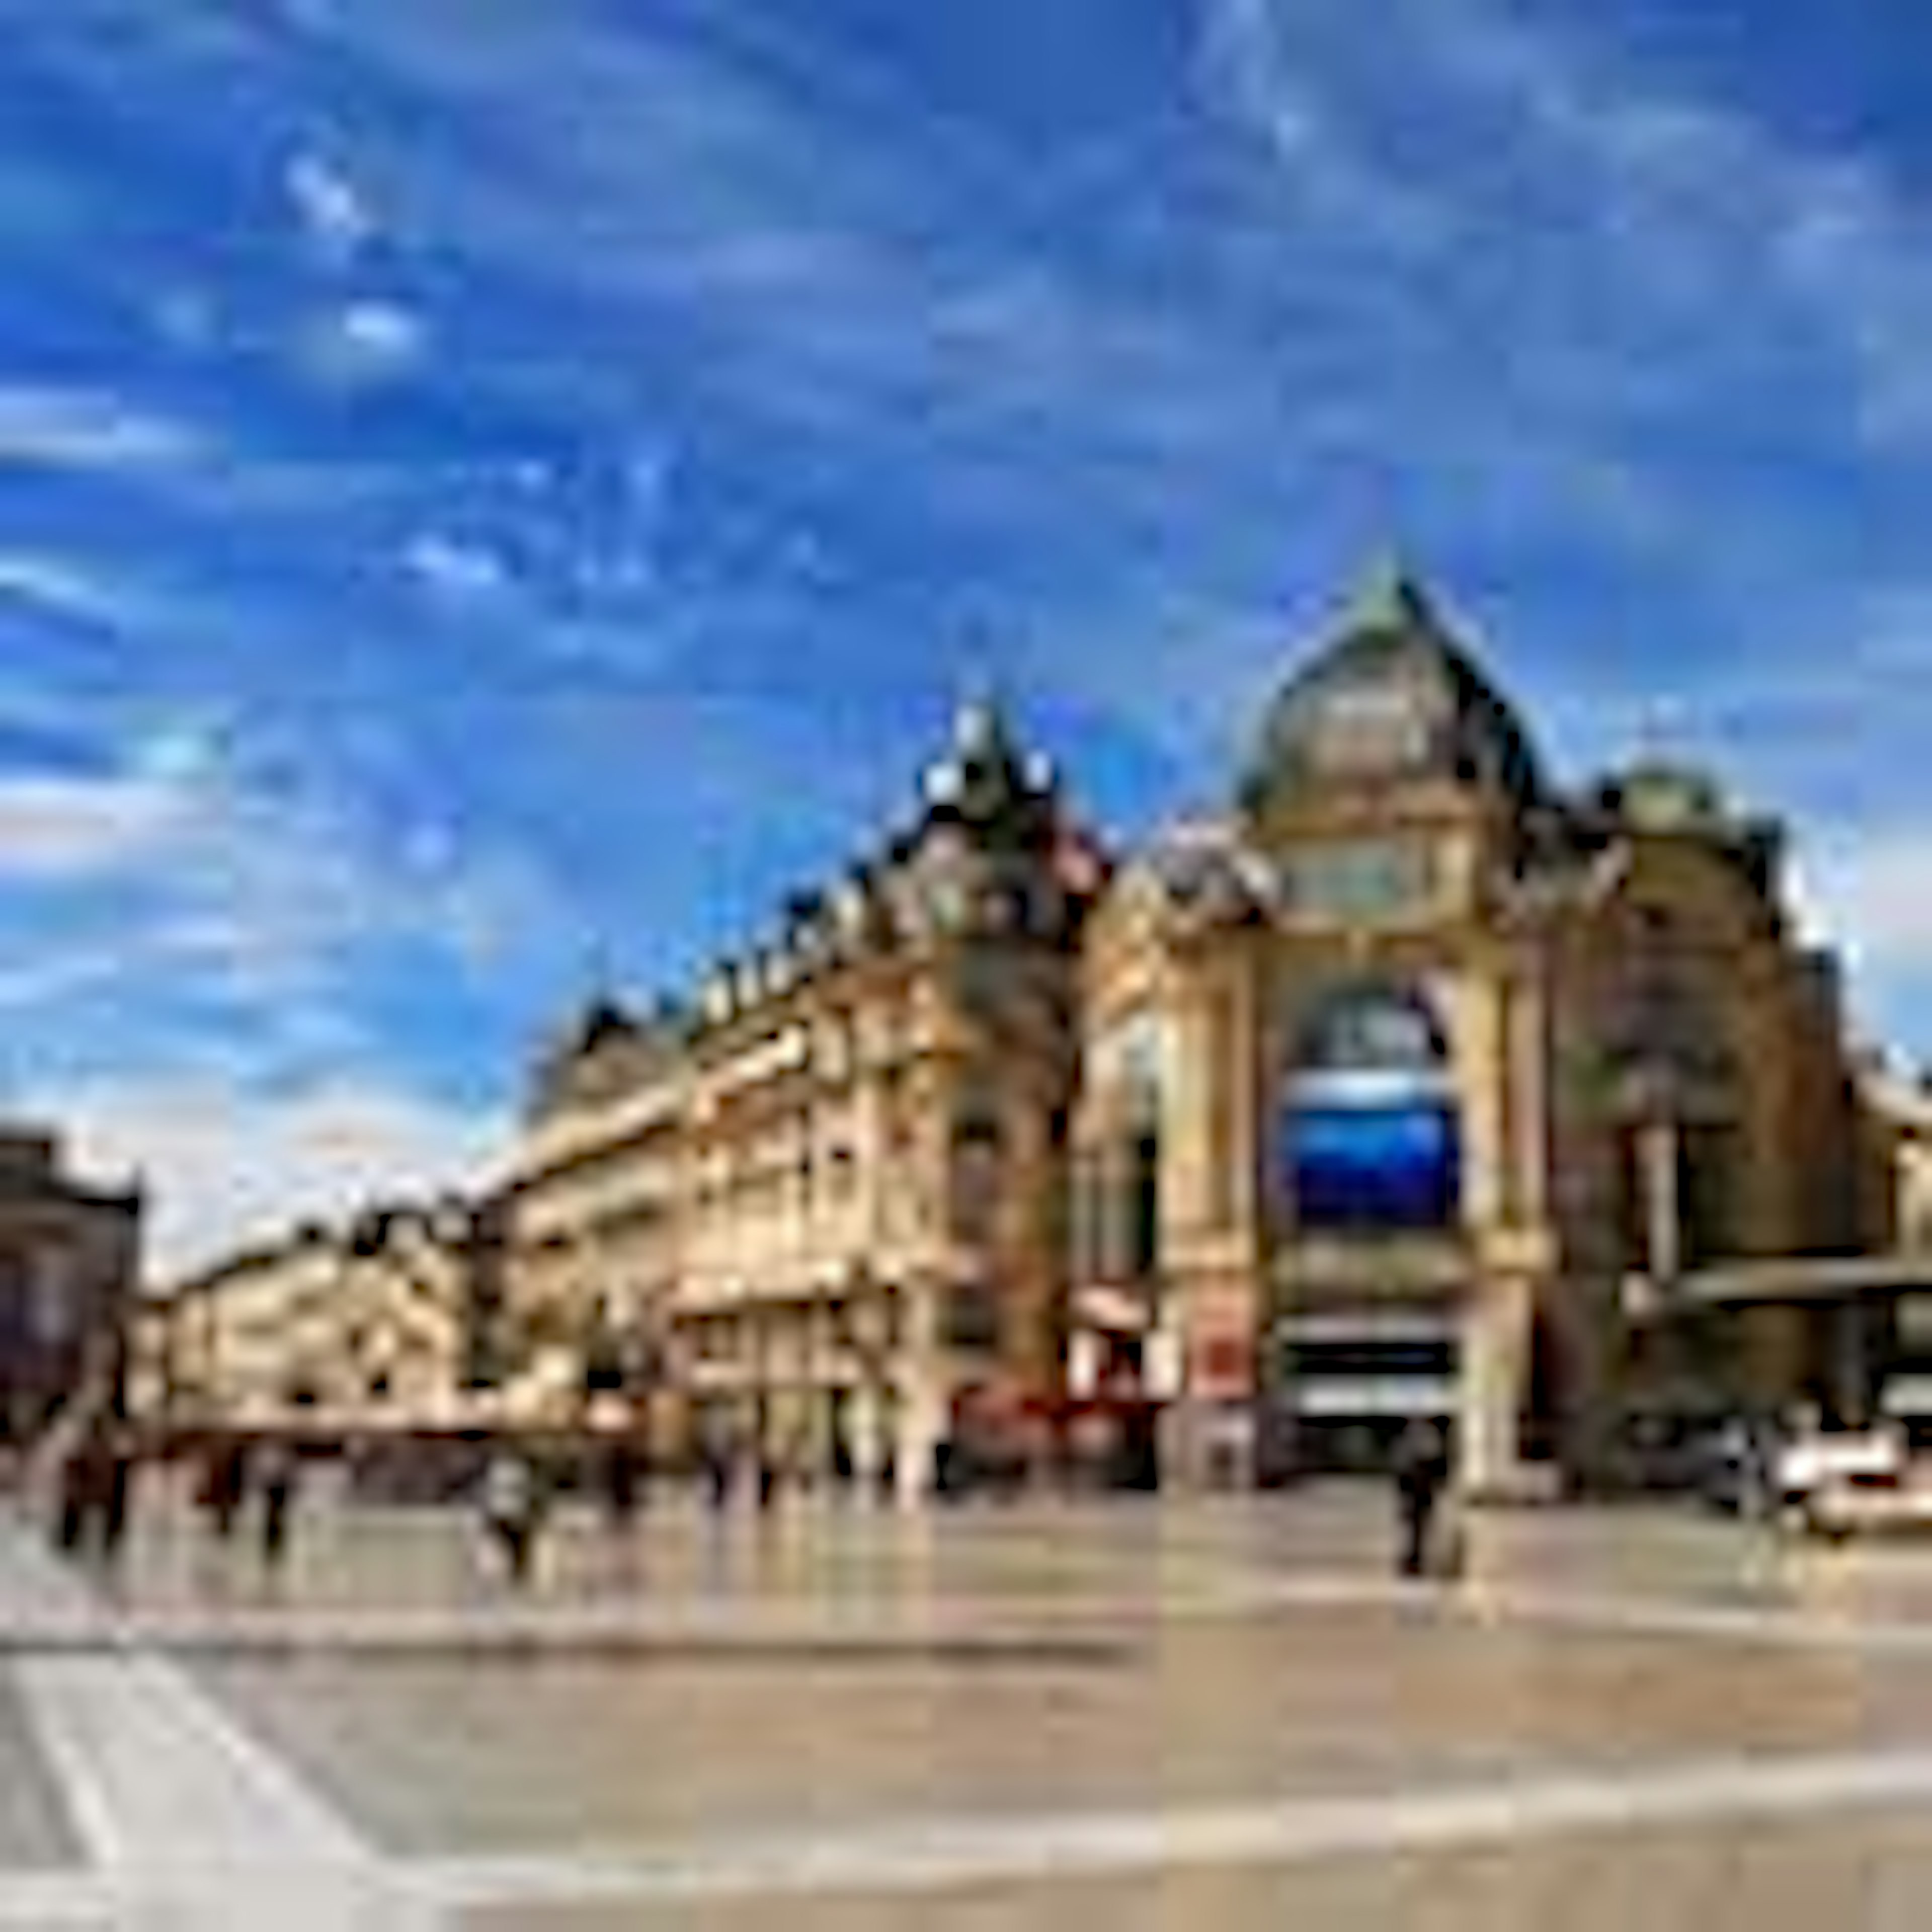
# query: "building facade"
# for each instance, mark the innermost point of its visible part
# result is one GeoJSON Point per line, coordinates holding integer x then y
{"type": "Point", "coordinates": [364, 1329]}
{"type": "Point", "coordinates": [1417, 1085]}
{"type": "Point", "coordinates": [817, 1209]}
{"type": "Point", "coordinates": [70, 1269]}
{"type": "Point", "coordinates": [1413, 1083]}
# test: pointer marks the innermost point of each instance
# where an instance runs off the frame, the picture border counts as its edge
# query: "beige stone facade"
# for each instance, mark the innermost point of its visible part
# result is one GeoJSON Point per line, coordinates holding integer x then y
{"type": "Point", "coordinates": [818, 1208]}
{"type": "Point", "coordinates": [1415, 1082]}
{"type": "Point", "coordinates": [362, 1328]}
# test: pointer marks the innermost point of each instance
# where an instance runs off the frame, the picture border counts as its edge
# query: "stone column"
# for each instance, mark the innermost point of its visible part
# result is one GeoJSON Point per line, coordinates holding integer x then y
{"type": "Point", "coordinates": [865, 1425]}
{"type": "Point", "coordinates": [1656, 1143]}
{"type": "Point", "coordinates": [1492, 1382]}
{"type": "Point", "coordinates": [1529, 1073]}
{"type": "Point", "coordinates": [922, 1404]}
{"type": "Point", "coordinates": [1850, 1329]}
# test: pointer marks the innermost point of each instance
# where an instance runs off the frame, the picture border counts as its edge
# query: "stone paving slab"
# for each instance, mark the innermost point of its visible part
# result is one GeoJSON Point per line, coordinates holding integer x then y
{"type": "Point", "coordinates": [838, 1672]}
{"type": "Point", "coordinates": [34, 1832]}
{"type": "Point", "coordinates": [452, 1757]}
{"type": "Point", "coordinates": [1872, 1875]}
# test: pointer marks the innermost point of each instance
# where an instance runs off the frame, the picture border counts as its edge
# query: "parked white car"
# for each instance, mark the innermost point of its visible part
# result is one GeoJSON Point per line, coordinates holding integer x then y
{"type": "Point", "coordinates": [1809, 1463]}
{"type": "Point", "coordinates": [1834, 1483]}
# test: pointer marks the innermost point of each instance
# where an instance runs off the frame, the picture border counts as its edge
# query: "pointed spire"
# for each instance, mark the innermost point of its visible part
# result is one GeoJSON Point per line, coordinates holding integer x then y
{"type": "Point", "coordinates": [980, 730]}
{"type": "Point", "coordinates": [1391, 597]}
{"type": "Point", "coordinates": [1662, 731]}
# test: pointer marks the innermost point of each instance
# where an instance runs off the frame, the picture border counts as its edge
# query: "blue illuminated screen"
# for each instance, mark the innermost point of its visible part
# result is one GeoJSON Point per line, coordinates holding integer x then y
{"type": "Point", "coordinates": [1394, 1165]}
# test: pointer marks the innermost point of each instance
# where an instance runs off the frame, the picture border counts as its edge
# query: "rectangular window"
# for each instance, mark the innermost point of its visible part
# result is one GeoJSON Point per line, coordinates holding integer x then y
{"type": "Point", "coordinates": [972, 1319]}
{"type": "Point", "coordinates": [1706, 1203]}
{"type": "Point", "coordinates": [1360, 878]}
{"type": "Point", "coordinates": [1143, 1183]}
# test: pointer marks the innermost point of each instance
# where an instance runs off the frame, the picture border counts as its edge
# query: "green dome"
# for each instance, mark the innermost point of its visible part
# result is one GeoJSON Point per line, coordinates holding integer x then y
{"type": "Point", "coordinates": [1394, 697]}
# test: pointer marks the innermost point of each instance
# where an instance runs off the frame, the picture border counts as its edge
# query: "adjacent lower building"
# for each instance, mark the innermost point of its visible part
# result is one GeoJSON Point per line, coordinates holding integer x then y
{"type": "Point", "coordinates": [364, 1329]}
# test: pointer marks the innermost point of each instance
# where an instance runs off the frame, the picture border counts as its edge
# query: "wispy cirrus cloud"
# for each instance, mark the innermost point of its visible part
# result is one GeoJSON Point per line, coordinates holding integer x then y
{"type": "Point", "coordinates": [61, 427]}
{"type": "Point", "coordinates": [65, 827]}
{"type": "Point", "coordinates": [224, 1163]}
{"type": "Point", "coordinates": [332, 210]}
{"type": "Point", "coordinates": [62, 586]}
{"type": "Point", "coordinates": [673, 403]}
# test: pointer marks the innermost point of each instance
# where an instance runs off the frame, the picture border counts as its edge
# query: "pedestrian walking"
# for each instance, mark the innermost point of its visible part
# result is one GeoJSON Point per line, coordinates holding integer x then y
{"type": "Point", "coordinates": [117, 1486]}
{"type": "Point", "coordinates": [277, 1475]}
{"type": "Point", "coordinates": [1421, 1475]}
{"type": "Point", "coordinates": [75, 1480]}
{"type": "Point", "coordinates": [224, 1485]}
{"type": "Point", "coordinates": [620, 1483]}
{"type": "Point", "coordinates": [512, 1510]}
{"type": "Point", "coordinates": [716, 1452]}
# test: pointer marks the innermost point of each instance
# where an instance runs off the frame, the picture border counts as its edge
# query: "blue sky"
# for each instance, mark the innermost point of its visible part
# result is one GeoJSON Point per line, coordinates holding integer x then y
{"type": "Point", "coordinates": [492, 492]}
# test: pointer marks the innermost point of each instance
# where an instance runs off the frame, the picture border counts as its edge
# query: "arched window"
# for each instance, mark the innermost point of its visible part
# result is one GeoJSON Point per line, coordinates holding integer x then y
{"type": "Point", "coordinates": [1369, 1127]}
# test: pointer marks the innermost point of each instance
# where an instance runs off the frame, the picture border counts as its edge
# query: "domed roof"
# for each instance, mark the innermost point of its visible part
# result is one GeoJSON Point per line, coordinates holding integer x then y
{"type": "Point", "coordinates": [1393, 696]}
{"type": "Point", "coordinates": [1661, 793]}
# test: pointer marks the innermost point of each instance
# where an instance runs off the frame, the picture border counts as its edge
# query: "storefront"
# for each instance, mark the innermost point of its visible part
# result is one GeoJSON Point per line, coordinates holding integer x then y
{"type": "Point", "coordinates": [1351, 1379]}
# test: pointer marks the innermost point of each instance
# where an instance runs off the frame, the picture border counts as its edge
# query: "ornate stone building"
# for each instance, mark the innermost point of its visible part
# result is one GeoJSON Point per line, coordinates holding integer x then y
{"type": "Point", "coordinates": [1415, 1082]}
{"type": "Point", "coordinates": [821, 1204]}
{"type": "Point", "coordinates": [1419, 1085]}
{"type": "Point", "coordinates": [366, 1328]}
{"type": "Point", "coordinates": [70, 1268]}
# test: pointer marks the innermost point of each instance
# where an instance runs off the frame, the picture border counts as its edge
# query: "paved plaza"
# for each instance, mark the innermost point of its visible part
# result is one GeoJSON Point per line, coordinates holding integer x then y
{"type": "Point", "coordinates": [1150, 1714]}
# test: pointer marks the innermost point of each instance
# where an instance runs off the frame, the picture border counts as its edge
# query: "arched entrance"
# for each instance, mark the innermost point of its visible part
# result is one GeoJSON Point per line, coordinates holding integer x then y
{"type": "Point", "coordinates": [1367, 1336]}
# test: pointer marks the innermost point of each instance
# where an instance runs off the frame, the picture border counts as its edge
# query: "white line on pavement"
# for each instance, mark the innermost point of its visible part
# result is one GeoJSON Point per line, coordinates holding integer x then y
{"type": "Point", "coordinates": [177, 1807]}
{"type": "Point", "coordinates": [946, 1853]}
{"type": "Point", "coordinates": [42, 1902]}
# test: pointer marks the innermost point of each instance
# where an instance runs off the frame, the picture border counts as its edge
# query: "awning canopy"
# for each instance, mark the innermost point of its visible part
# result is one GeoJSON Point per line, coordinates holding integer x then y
{"type": "Point", "coordinates": [1792, 1278]}
{"type": "Point", "coordinates": [1113, 1309]}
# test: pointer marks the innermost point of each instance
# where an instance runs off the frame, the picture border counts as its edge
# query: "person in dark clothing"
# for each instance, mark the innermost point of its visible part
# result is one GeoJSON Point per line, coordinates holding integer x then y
{"type": "Point", "coordinates": [75, 1496]}
{"type": "Point", "coordinates": [1421, 1475]}
{"type": "Point", "coordinates": [225, 1486]}
{"type": "Point", "coordinates": [278, 1478]}
{"type": "Point", "coordinates": [717, 1453]}
{"type": "Point", "coordinates": [116, 1502]}
{"type": "Point", "coordinates": [620, 1483]}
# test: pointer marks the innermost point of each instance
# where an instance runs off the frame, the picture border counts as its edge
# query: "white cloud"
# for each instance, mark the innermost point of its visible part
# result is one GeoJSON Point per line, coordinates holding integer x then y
{"type": "Point", "coordinates": [335, 215]}
{"type": "Point", "coordinates": [62, 827]}
{"type": "Point", "coordinates": [57, 426]}
{"type": "Point", "coordinates": [62, 586]}
{"type": "Point", "coordinates": [224, 1165]}
{"type": "Point", "coordinates": [456, 570]}
{"type": "Point", "coordinates": [181, 877]}
{"type": "Point", "coordinates": [1870, 891]}
{"type": "Point", "coordinates": [364, 343]}
{"type": "Point", "coordinates": [1247, 63]}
